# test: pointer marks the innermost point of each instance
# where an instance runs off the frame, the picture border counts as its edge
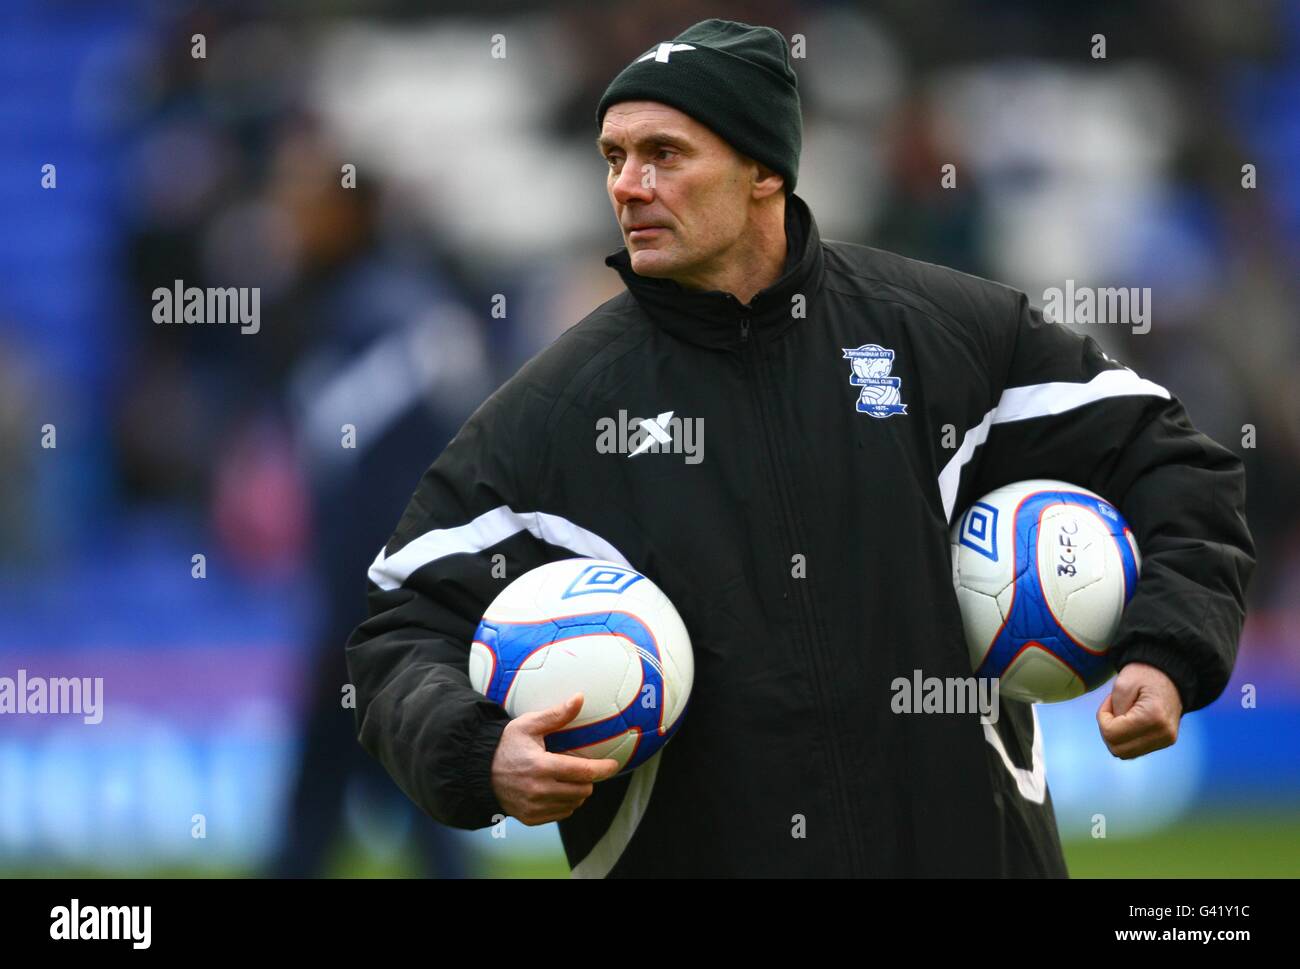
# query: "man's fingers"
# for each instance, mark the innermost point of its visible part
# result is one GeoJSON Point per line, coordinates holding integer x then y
{"type": "Point", "coordinates": [1137, 721]}
{"type": "Point", "coordinates": [1148, 710]}
{"type": "Point", "coordinates": [1121, 731]}
{"type": "Point", "coordinates": [1105, 713]}
{"type": "Point", "coordinates": [1138, 732]}
{"type": "Point", "coordinates": [567, 791]}
{"type": "Point", "coordinates": [552, 800]}
{"type": "Point", "coordinates": [568, 767]}
{"type": "Point", "coordinates": [1114, 728]}
{"type": "Point", "coordinates": [554, 794]}
{"type": "Point", "coordinates": [534, 818]}
{"type": "Point", "coordinates": [1141, 745]}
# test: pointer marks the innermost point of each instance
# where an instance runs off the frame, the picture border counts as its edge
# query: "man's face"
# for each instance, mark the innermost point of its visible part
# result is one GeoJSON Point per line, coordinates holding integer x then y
{"type": "Point", "coordinates": [680, 193]}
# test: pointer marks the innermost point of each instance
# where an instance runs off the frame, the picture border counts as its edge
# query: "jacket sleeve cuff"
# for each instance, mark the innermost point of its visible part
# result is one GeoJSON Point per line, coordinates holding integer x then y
{"type": "Point", "coordinates": [481, 800]}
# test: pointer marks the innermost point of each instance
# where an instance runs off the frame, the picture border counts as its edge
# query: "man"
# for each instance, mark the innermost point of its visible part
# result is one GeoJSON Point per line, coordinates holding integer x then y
{"type": "Point", "coordinates": [808, 550]}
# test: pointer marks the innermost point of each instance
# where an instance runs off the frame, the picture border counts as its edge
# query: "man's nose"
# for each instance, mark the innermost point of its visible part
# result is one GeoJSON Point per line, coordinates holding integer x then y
{"type": "Point", "coordinates": [633, 184]}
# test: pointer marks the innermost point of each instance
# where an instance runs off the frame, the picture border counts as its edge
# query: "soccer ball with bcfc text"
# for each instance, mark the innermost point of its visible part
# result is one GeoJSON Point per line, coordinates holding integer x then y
{"type": "Point", "coordinates": [596, 628]}
{"type": "Point", "coordinates": [1043, 570]}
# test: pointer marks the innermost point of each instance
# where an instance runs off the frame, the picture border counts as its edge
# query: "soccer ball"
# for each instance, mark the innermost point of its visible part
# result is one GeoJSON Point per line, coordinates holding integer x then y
{"type": "Point", "coordinates": [1043, 570]}
{"type": "Point", "coordinates": [595, 627]}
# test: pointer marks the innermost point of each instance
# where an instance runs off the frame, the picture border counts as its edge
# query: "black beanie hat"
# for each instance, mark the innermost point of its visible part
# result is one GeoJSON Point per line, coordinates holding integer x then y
{"type": "Point", "coordinates": [732, 78]}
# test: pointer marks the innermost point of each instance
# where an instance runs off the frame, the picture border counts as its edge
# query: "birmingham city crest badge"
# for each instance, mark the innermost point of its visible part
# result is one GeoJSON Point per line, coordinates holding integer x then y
{"type": "Point", "coordinates": [881, 395]}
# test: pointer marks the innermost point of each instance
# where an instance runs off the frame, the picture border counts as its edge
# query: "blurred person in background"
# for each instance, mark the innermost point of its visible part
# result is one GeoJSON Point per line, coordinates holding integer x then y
{"type": "Point", "coordinates": [255, 429]}
{"type": "Point", "coordinates": [375, 307]}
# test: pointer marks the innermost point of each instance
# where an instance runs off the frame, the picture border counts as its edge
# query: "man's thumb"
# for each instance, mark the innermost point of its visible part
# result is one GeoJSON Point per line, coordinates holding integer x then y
{"type": "Point", "coordinates": [553, 718]}
{"type": "Point", "coordinates": [1123, 694]}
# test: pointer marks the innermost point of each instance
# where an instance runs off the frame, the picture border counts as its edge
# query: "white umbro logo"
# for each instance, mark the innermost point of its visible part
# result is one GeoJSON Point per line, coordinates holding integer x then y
{"type": "Point", "coordinates": [661, 52]}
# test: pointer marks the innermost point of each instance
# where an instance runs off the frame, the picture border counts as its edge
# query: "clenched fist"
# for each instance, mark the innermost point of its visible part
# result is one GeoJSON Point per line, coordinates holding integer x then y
{"type": "Point", "coordinates": [535, 785]}
{"type": "Point", "coordinates": [1142, 712]}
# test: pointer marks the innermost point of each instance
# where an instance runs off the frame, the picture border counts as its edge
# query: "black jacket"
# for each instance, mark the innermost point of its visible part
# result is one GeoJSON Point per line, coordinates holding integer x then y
{"type": "Point", "coordinates": [790, 760]}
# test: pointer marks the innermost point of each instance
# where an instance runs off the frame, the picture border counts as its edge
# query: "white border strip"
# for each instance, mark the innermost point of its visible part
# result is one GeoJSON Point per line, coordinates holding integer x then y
{"type": "Point", "coordinates": [488, 529]}
{"type": "Point", "coordinates": [1032, 782]}
{"type": "Point", "coordinates": [1039, 400]}
{"type": "Point", "coordinates": [601, 859]}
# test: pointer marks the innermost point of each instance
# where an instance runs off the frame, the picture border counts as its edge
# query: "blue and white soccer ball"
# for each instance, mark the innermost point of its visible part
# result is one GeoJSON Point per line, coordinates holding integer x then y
{"type": "Point", "coordinates": [1043, 570]}
{"type": "Point", "coordinates": [595, 627]}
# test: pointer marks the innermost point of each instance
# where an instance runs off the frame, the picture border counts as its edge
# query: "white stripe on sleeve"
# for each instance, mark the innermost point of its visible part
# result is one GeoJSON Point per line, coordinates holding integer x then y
{"type": "Point", "coordinates": [1039, 400]}
{"type": "Point", "coordinates": [486, 530]}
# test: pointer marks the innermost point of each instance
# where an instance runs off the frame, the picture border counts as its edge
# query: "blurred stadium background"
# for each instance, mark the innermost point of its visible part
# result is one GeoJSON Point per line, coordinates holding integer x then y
{"type": "Point", "coordinates": [476, 176]}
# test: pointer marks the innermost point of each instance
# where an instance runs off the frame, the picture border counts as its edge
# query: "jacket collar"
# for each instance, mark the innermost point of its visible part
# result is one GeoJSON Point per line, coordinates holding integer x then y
{"type": "Point", "coordinates": [714, 318]}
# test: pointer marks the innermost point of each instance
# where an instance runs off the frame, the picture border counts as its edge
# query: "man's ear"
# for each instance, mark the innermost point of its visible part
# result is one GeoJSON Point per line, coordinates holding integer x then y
{"type": "Point", "coordinates": [766, 181]}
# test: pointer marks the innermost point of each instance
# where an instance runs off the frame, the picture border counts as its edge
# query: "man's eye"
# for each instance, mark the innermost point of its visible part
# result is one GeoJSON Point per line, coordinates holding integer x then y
{"type": "Point", "coordinates": [665, 151]}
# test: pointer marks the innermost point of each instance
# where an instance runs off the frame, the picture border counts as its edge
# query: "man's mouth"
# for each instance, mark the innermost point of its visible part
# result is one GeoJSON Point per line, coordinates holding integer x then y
{"type": "Point", "coordinates": [639, 232]}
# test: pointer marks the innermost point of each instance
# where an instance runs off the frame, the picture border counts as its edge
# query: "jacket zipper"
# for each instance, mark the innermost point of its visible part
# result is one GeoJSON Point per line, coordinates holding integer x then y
{"type": "Point", "coordinates": [809, 628]}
